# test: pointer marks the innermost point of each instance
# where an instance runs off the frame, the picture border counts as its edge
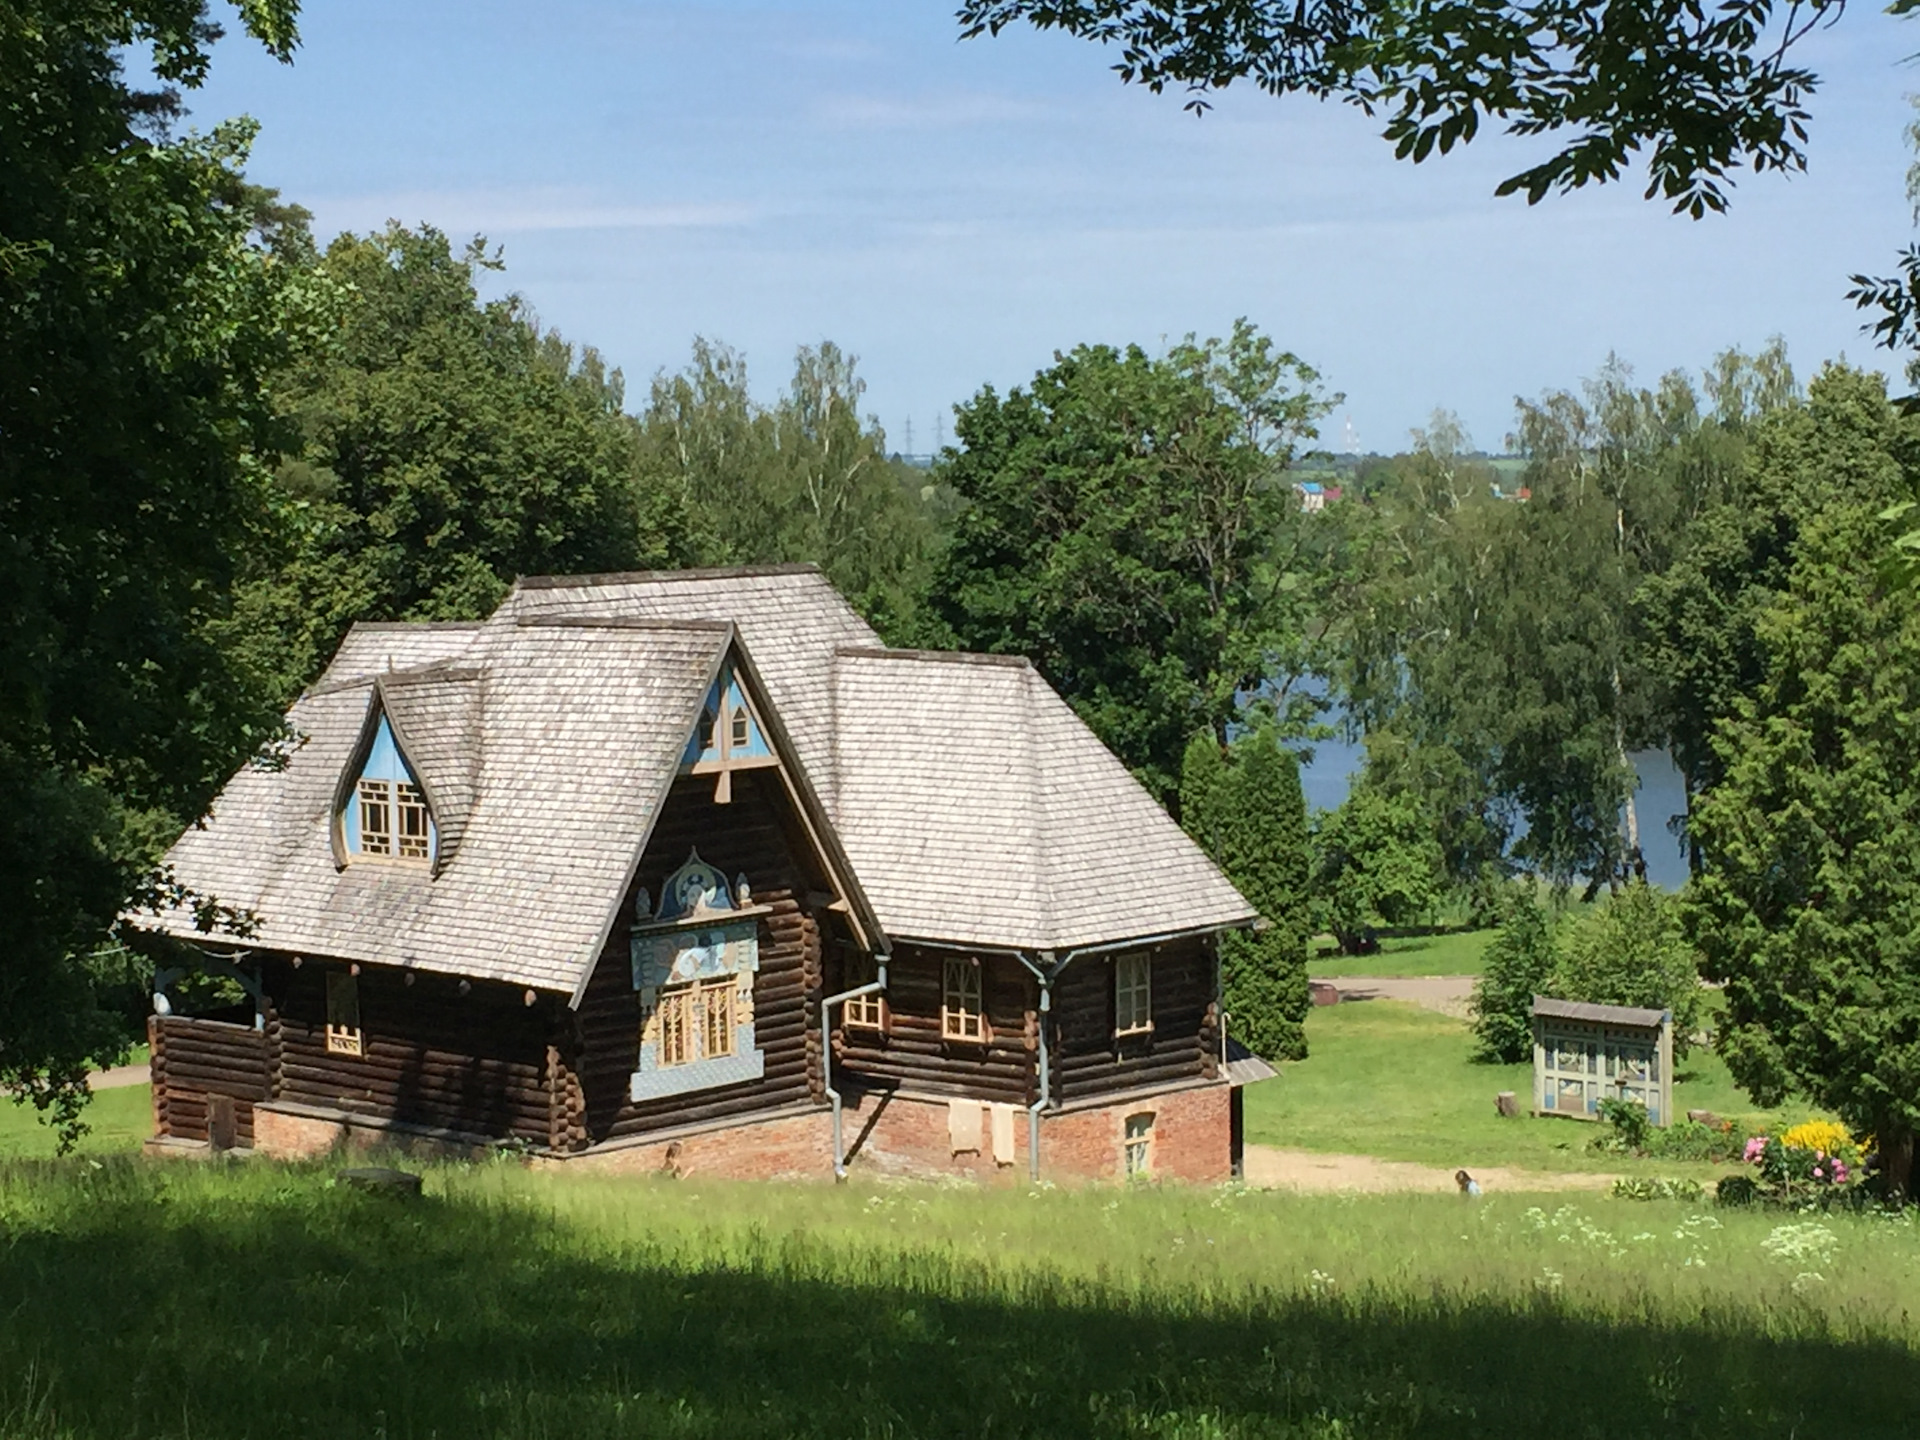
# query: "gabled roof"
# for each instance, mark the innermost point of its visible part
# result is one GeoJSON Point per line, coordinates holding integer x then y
{"type": "Point", "coordinates": [958, 794]}
{"type": "Point", "coordinates": [583, 725]}
{"type": "Point", "coordinates": [978, 808]}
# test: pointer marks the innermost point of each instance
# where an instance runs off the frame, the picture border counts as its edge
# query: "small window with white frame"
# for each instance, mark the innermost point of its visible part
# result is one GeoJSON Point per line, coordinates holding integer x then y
{"type": "Point", "coordinates": [343, 1014]}
{"type": "Point", "coordinates": [1138, 1145]}
{"type": "Point", "coordinates": [1133, 994]}
{"type": "Point", "coordinates": [865, 1012]}
{"type": "Point", "coordinates": [962, 1013]}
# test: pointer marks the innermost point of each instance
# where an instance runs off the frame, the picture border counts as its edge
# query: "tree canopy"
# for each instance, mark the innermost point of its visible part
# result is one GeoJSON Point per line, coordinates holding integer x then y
{"type": "Point", "coordinates": [1127, 524]}
{"type": "Point", "coordinates": [1701, 91]}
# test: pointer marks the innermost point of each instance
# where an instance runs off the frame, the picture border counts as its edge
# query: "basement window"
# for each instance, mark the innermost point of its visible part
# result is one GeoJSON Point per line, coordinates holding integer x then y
{"type": "Point", "coordinates": [1133, 995]}
{"type": "Point", "coordinates": [343, 1014]}
{"type": "Point", "coordinates": [1138, 1143]}
{"type": "Point", "coordinates": [962, 1013]}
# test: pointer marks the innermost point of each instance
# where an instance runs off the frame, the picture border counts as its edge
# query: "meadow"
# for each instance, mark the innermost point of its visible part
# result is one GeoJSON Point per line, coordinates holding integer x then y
{"type": "Point", "coordinates": [1387, 1078]}
{"type": "Point", "coordinates": [217, 1301]}
{"type": "Point", "coordinates": [1446, 952]}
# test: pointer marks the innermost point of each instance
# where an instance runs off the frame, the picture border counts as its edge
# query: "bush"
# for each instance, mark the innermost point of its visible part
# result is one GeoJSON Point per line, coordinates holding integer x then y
{"type": "Point", "coordinates": [1663, 1188]}
{"type": "Point", "coordinates": [1627, 1125]}
{"type": "Point", "coordinates": [1736, 1191]}
{"type": "Point", "coordinates": [1690, 1140]}
{"type": "Point", "coordinates": [1630, 951]}
{"type": "Point", "coordinates": [1518, 964]}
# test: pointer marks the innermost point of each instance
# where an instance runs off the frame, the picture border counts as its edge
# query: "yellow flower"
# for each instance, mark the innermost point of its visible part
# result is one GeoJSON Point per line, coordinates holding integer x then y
{"type": "Point", "coordinates": [1827, 1136]}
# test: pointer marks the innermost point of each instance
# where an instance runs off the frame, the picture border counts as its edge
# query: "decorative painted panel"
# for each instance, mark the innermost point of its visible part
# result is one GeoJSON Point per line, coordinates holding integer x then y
{"type": "Point", "coordinates": [1578, 1065]}
{"type": "Point", "coordinates": [694, 959]}
{"type": "Point", "coordinates": [727, 728]}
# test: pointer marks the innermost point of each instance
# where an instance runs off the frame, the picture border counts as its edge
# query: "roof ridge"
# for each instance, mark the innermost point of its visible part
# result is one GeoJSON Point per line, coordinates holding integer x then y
{"type": "Point", "coordinates": [949, 657]}
{"type": "Point", "coordinates": [642, 577]}
{"type": "Point", "coordinates": [415, 625]}
{"type": "Point", "coordinates": [617, 622]}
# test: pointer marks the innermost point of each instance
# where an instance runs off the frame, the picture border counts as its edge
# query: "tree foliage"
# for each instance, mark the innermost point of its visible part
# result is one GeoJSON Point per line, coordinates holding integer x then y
{"type": "Point", "coordinates": [1127, 525]}
{"type": "Point", "coordinates": [1702, 91]}
{"type": "Point", "coordinates": [1809, 904]}
{"type": "Point", "coordinates": [1518, 966]}
{"type": "Point", "coordinates": [1243, 805]}
{"type": "Point", "coordinates": [444, 445]}
{"type": "Point", "coordinates": [805, 478]}
{"type": "Point", "coordinates": [140, 323]}
{"type": "Point", "coordinates": [1376, 861]}
{"type": "Point", "coordinates": [1631, 950]}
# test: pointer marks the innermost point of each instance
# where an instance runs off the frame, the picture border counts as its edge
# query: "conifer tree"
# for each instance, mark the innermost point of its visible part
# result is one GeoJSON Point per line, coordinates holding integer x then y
{"type": "Point", "coordinates": [1246, 809]}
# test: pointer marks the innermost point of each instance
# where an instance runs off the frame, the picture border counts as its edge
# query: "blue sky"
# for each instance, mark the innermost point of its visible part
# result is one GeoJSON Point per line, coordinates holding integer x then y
{"type": "Point", "coordinates": [772, 174]}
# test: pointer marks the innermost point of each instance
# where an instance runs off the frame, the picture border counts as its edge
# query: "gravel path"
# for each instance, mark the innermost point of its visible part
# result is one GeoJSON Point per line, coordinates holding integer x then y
{"type": "Point", "coordinates": [1271, 1168]}
{"type": "Point", "coordinates": [1446, 994]}
{"type": "Point", "coordinates": [118, 1078]}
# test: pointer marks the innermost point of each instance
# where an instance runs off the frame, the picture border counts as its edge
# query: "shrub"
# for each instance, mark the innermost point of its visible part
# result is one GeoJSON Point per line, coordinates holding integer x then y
{"type": "Point", "coordinates": [1690, 1140]}
{"type": "Point", "coordinates": [1825, 1136]}
{"type": "Point", "coordinates": [1627, 1124]}
{"type": "Point", "coordinates": [1518, 963]}
{"type": "Point", "coordinates": [1736, 1190]}
{"type": "Point", "coordinates": [1630, 951]}
{"type": "Point", "coordinates": [1663, 1188]}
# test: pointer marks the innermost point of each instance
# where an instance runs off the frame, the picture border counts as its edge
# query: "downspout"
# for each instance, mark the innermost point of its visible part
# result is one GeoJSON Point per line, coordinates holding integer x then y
{"type": "Point", "coordinates": [1046, 1083]}
{"type": "Point", "coordinates": [877, 987]}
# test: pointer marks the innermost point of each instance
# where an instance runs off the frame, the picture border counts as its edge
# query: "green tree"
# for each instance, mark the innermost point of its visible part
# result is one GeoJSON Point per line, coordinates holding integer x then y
{"type": "Point", "coordinates": [445, 446]}
{"type": "Point", "coordinates": [141, 321]}
{"type": "Point", "coordinates": [1808, 908]}
{"type": "Point", "coordinates": [1706, 91]}
{"type": "Point", "coordinates": [1245, 808]}
{"type": "Point", "coordinates": [1127, 525]}
{"type": "Point", "coordinates": [1631, 950]}
{"type": "Point", "coordinates": [803, 479]}
{"type": "Point", "coordinates": [1519, 965]}
{"type": "Point", "coordinates": [1376, 862]}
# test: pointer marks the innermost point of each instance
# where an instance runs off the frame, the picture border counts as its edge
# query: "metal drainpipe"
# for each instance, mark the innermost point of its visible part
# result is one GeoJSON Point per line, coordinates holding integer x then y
{"type": "Point", "coordinates": [878, 987]}
{"type": "Point", "coordinates": [1046, 1082]}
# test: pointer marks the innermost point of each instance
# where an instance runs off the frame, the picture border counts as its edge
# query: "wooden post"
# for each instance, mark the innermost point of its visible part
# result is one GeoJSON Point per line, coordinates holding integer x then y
{"type": "Point", "coordinates": [222, 1129]}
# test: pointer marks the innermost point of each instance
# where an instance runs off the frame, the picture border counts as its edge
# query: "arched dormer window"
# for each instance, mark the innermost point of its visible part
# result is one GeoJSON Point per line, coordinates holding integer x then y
{"type": "Point", "coordinates": [386, 814]}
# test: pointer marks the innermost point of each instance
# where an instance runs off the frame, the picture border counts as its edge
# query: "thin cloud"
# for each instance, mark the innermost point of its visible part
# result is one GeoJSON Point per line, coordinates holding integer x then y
{"type": "Point", "coordinates": [520, 212]}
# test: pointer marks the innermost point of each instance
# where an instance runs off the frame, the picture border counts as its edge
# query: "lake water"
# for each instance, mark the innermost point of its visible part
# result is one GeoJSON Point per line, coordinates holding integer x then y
{"type": "Point", "coordinates": [1662, 795]}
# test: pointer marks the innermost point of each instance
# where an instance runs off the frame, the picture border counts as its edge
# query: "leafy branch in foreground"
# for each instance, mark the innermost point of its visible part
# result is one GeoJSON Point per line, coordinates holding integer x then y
{"type": "Point", "coordinates": [1704, 90]}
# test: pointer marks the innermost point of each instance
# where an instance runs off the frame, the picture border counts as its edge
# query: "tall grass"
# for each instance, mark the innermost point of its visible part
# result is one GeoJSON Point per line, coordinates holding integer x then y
{"type": "Point", "coordinates": [255, 1300]}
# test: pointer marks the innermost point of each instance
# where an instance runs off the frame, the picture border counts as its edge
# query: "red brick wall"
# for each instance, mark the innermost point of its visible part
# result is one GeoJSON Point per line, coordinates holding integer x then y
{"type": "Point", "coordinates": [790, 1147]}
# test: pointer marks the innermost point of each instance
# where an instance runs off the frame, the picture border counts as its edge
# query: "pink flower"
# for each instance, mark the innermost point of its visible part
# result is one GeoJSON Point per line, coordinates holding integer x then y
{"type": "Point", "coordinates": [1756, 1147]}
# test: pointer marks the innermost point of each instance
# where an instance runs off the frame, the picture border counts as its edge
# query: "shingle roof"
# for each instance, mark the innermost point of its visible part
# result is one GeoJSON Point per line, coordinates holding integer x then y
{"type": "Point", "coordinates": [1598, 1014]}
{"type": "Point", "coordinates": [973, 804]}
{"type": "Point", "coordinates": [977, 808]}
{"type": "Point", "coordinates": [583, 729]}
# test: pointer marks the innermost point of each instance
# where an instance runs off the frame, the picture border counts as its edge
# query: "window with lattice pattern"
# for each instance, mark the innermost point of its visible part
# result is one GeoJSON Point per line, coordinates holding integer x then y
{"type": "Point", "coordinates": [697, 1021]}
{"type": "Point", "coordinates": [343, 1013]}
{"type": "Point", "coordinates": [1132, 995]}
{"type": "Point", "coordinates": [410, 816]}
{"type": "Point", "coordinates": [962, 1013]}
{"type": "Point", "coordinates": [376, 818]}
{"type": "Point", "coordinates": [865, 1012]}
{"type": "Point", "coordinates": [1139, 1144]}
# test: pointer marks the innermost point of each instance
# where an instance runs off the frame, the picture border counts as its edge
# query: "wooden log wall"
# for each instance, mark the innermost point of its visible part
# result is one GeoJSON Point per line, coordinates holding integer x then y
{"type": "Point", "coordinates": [193, 1059]}
{"type": "Point", "coordinates": [911, 1055]}
{"type": "Point", "coordinates": [754, 835]}
{"type": "Point", "coordinates": [1089, 1060]}
{"type": "Point", "coordinates": [475, 1063]}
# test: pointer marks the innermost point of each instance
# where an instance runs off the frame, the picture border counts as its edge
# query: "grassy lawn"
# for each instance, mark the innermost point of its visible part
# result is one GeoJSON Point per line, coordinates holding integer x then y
{"type": "Point", "coordinates": [1458, 952]}
{"type": "Point", "coordinates": [1389, 1079]}
{"type": "Point", "coordinates": [255, 1300]}
{"type": "Point", "coordinates": [118, 1121]}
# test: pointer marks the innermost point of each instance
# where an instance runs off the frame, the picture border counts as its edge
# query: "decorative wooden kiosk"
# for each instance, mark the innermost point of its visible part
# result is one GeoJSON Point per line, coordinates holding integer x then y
{"type": "Point", "coordinates": [1583, 1054]}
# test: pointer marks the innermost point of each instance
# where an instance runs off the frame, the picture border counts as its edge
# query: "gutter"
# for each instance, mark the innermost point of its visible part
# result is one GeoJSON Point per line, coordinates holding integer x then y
{"type": "Point", "coordinates": [878, 987]}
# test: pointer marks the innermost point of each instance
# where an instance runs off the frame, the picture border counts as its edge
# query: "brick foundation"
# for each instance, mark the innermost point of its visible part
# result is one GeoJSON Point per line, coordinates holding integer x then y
{"type": "Point", "coordinates": [783, 1147]}
{"type": "Point", "coordinates": [900, 1134]}
{"type": "Point", "coordinates": [886, 1133]}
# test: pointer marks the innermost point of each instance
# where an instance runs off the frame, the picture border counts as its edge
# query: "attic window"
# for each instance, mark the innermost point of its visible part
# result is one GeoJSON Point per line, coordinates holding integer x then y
{"type": "Point", "coordinates": [387, 816]}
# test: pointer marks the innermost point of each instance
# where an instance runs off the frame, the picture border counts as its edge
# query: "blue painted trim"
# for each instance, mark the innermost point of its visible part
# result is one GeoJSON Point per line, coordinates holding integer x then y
{"type": "Point", "coordinates": [384, 762]}
{"type": "Point", "coordinates": [735, 1069]}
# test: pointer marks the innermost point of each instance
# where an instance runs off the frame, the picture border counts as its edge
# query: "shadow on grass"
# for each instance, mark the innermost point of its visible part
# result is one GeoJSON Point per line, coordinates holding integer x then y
{"type": "Point", "coordinates": [298, 1310]}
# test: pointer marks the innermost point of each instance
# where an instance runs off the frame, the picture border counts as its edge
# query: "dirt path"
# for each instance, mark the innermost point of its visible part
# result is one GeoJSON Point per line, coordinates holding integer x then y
{"type": "Point", "coordinates": [1447, 994]}
{"type": "Point", "coordinates": [118, 1078]}
{"type": "Point", "coordinates": [1271, 1168]}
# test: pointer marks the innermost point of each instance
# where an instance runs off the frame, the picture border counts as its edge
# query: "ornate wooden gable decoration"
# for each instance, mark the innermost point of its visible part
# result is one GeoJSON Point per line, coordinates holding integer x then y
{"type": "Point", "coordinates": [727, 737]}
{"type": "Point", "coordinates": [694, 959]}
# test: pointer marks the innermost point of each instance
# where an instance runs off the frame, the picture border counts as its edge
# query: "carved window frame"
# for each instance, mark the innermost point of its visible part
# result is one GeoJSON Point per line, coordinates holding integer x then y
{"type": "Point", "coordinates": [963, 1003]}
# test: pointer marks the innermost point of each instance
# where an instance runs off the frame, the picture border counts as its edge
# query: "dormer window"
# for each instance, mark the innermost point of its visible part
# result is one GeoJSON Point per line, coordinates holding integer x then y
{"type": "Point", "coordinates": [387, 815]}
